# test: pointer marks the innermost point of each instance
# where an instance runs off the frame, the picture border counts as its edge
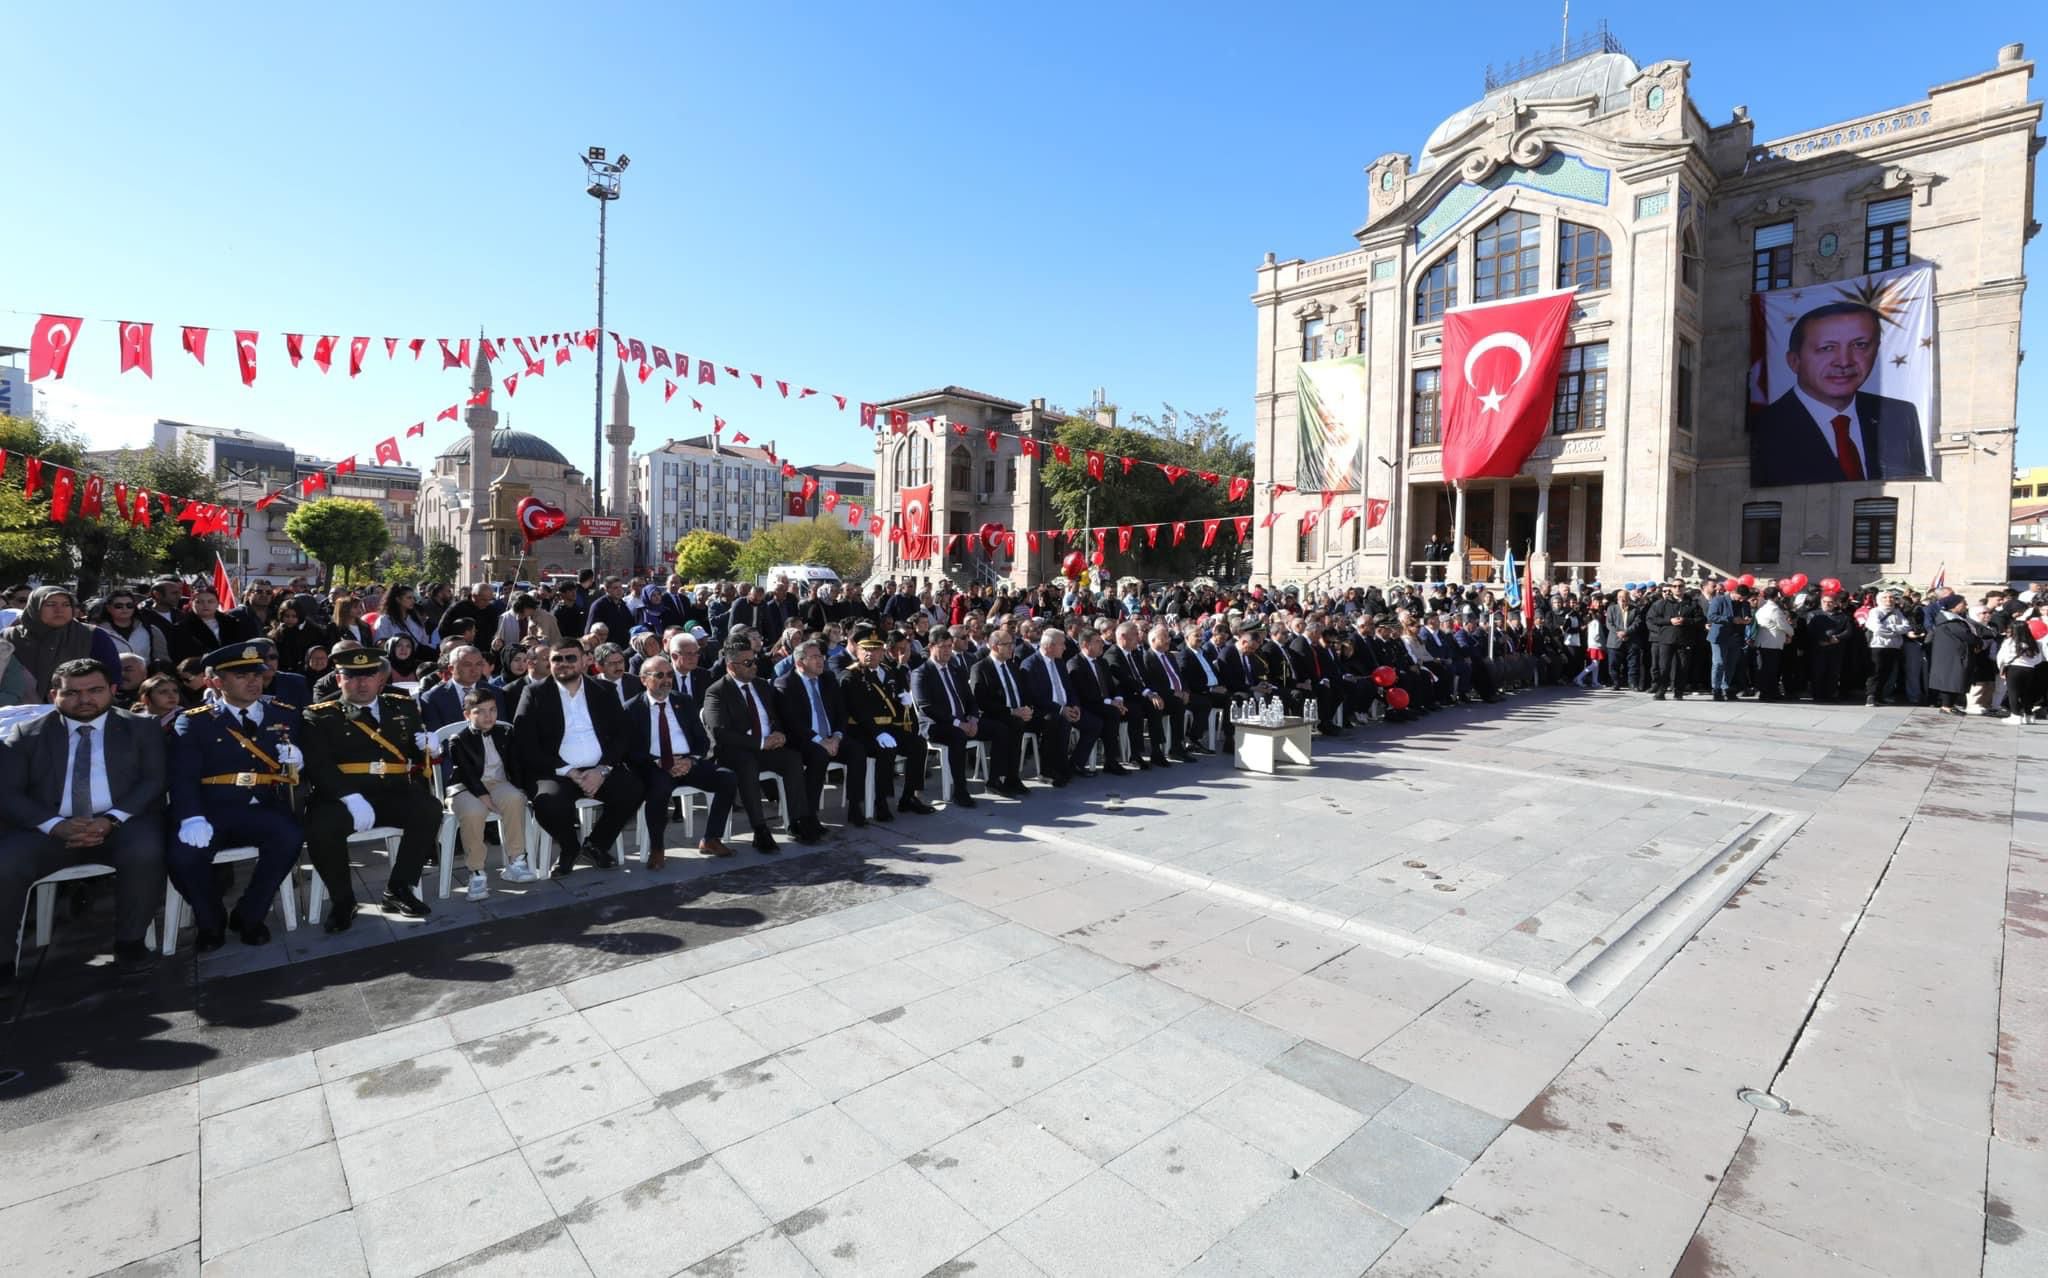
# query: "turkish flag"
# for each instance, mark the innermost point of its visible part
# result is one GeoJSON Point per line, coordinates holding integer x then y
{"type": "Point", "coordinates": [323, 352]}
{"type": "Point", "coordinates": [345, 467]}
{"type": "Point", "coordinates": [810, 486]}
{"type": "Point", "coordinates": [1095, 460]}
{"type": "Point", "coordinates": [668, 390]}
{"type": "Point", "coordinates": [135, 348]}
{"type": "Point", "coordinates": [417, 428]}
{"type": "Point", "coordinates": [867, 415]}
{"type": "Point", "coordinates": [705, 375]}
{"type": "Point", "coordinates": [562, 354]}
{"type": "Point", "coordinates": [61, 487]}
{"type": "Point", "coordinates": [1244, 526]}
{"type": "Point", "coordinates": [1152, 536]}
{"type": "Point", "coordinates": [245, 354]}
{"type": "Point", "coordinates": [512, 385]}
{"type": "Point", "coordinates": [295, 347]}
{"type": "Point", "coordinates": [194, 341]}
{"type": "Point", "coordinates": [448, 414]}
{"type": "Point", "coordinates": [830, 501]}
{"type": "Point", "coordinates": [1180, 531]}
{"type": "Point", "coordinates": [1031, 540]}
{"type": "Point", "coordinates": [1123, 539]}
{"type": "Point", "coordinates": [994, 440]}
{"type": "Point", "coordinates": [853, 516]}
{"type": "Point", "coordinates": [1375, 511]}
{"type": "Point", "coordinates": [49, 349]}
{"type": "Point", "coordinates": [1500, 378]}
{"type": "Point", "coordinates": [222, 586]}
{"type": "Point", "coordinates": [387, 451]}
{"type": "Point", "coordinates": [916, 505]}
{"type": "Point", "coordinates": [415, 346]}
{"type": "Point", "coordinates": [312, 483]}
{"type": "Point", "coordinates": [1029, 446]}
{"type": "Point", "coordinates": [899, 421]}
{"type": "Point", "coordinates": [1173, 472]}
{"type": "Point", "coordinates": [356, 347]}
{"type": "Point", "coordinates": [1209, 532]}
{"type": "Point", "coordinates": [1062, 455]}
{"type": "Point", "coordinates": [91, 499]}
{"type": "Point", "coordinates": [1239, 486]}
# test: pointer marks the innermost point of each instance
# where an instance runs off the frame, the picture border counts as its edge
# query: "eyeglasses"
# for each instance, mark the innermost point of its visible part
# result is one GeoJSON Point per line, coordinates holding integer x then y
{"type": "Point", "coordinates": [566, 656]}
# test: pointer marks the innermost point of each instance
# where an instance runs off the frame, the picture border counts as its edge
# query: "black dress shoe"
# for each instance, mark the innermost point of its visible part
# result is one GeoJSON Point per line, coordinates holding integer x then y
{"type": "Point", "coordinates": [1061, 783]}
{"type": "Point", "coordinates": [1161, 761]}
{"type": "Point", "coordinates": [809, 832]}
{"type": "Point", "coordinates": [132, 958]}
{"type": "Point", "coordinates": [340, 915]}
{"type": "Point", "coordinates": [1012, 790]}
{"type": "Point", "coordinates": [406, 901]}
{"type": "Point", "coordinates": [855, 819]}
{"type": "Point", "coordinates": [882, 812]}
{"type": "Point", "coordinates": [765, 844]}
{"type": "Point", "coordinates": [208, 939]}
{"type": "Point", "coordinates": [1142, 763]}
{"type": "Point", "coordinates": [257, 933]}
{"type": "Point", "coordinates": [1083, 771]}
{"type": "Point", "coordinates": [912, 803]}
{"type": "Point", "coordinates": [962, 799]}
{"type": "Point", "coordinates": [599, 858]}
{"type": "Point", "coordinates": [1115, 770]}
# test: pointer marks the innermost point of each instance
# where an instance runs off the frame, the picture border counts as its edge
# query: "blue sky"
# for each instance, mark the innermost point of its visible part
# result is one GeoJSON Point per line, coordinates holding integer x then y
{"type": "Point", "coordinates": [867, 199]}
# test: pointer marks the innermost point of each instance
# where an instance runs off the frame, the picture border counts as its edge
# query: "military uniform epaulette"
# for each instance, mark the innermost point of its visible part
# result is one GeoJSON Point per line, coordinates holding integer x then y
{"type": "Point", "coordinates": [282, 705]}
{"type": "Point", "coordinates": [325, 705]}
{"type": "Point", "coordinates": [205, 709]}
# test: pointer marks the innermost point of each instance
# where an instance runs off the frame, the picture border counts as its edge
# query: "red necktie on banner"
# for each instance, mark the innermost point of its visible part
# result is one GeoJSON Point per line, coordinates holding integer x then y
{"type": "Point", "coordinates": [1500, 379]}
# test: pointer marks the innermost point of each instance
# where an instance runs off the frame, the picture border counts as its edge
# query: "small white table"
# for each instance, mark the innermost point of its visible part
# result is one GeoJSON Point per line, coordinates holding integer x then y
{"type": "Point", "coordinates": [1263, 749]}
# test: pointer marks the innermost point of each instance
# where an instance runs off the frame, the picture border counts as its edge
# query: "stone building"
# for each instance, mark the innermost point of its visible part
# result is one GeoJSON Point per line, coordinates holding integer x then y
{"type": "Point", "coordinates": [691, 484]}
{"type": "Point", "coordinates": [851, 481]}
{"type": "Point", "coordinates": [1595, 172]}
{"type": "Point", "coordinates": [515, 458]}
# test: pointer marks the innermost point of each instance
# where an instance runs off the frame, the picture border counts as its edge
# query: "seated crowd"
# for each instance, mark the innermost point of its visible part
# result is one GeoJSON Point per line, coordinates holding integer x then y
{"type": "Point", "coordinates": [175, 729]}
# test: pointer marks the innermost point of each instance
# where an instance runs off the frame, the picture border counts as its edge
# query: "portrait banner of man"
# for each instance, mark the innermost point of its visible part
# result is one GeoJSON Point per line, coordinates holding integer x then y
{"type": "Point", "coordinates": [1330, 398]}
{"type": "Point", "coordinates": [1842, 389]}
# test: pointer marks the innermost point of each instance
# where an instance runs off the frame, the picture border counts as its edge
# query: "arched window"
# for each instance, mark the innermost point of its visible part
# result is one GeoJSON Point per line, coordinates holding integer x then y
{"type": "Point", "coordinates": [1437, 290]}
{"type": "Point", "coordinates": [1689, 259]}
{"type": "Point", "coordinates": [1585, 257]}
{"type": "Point", "coordinates": [1505, 256]}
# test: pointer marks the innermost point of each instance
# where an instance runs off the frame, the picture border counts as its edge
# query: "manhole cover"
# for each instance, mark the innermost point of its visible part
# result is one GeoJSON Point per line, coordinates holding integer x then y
{"type": "Point", "coordinates": [1762, 1100]}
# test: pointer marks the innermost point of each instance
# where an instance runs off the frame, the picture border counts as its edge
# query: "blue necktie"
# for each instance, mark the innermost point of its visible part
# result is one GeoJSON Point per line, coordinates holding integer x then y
{"type": "Point", "coordinates": [820, 725]}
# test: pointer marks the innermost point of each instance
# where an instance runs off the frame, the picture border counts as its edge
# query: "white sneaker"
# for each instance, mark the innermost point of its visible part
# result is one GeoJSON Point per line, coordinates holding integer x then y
{"type": "Point", "coordinates": [479, 884]}
{"type": "Point", "coordinates": [518, 871]}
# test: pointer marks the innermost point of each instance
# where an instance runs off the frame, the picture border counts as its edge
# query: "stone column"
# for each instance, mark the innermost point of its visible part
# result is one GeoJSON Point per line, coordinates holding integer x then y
{"type": "Point", "coordinates": [1575, 524]}
{"type": "Point", "coordinates": [1539, 554]}
{"type": "Point", "coordinates": [1455, 570]}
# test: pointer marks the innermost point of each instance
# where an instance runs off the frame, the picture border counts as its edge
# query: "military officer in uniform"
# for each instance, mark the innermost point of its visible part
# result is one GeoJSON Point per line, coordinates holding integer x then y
{"type": "Point", "coordinates": [878, 713]}
{"type": "Point", "coordinates": [366, 760]}
{"type": "Point", "coordinates": [232, 770]}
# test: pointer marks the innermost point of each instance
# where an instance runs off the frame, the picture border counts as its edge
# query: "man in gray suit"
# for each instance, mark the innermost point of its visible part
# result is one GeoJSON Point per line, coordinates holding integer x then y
{"type": "Point", "coordinates": [85, 784]}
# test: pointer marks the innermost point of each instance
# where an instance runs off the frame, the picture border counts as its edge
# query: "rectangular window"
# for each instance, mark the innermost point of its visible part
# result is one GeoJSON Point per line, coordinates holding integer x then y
{"type": "Point", "coordinates": [1687, 362]}
{"type": "Point", "coordinates": [1437, 290]}
{"type": "Point", "coordinates": [1311, 340]}
{"type": "Point", "coordinates": [1304, 546]}
{"type": "Point", "coordinates": [1887, 226]}
{"type": "Point", "coordinates": [1762, 522]}
{"type": "Point", "coordinates": [1424, 400]}
{"type": "Point", "coordinates": [1773, 261]}
{"type": "Point", "coordinates": [1505, 254]}
{"type": "Point", "coordinates": [1585, 258]}
{"type": "Point", "coordinates": [1009, 477]}
{"type": "Point", "coordinates": [1581, 390]}
{"type": "Point", "coordinates": [988, 476]}
{"type": "Point", "coordinates": [1874, 530]}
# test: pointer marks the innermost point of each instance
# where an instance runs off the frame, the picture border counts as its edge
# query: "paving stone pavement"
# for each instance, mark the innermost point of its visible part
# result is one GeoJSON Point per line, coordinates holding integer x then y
{"type": "Point", "coordinates": [1083, 1048]}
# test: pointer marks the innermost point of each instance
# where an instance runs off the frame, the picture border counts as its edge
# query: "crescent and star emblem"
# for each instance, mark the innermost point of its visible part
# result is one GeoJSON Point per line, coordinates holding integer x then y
{"type": "Point", "coordinates": [59, 337]}
{"type": "Point", "coordinates": [1490, 401]}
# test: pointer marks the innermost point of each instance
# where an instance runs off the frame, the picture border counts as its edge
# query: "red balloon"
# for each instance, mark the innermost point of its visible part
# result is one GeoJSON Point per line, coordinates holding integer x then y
{"type": "Point", "coordinates": [1798, 582]}
{"type": "Point", "coordinates": [371, 618]}
{"type": "Point", "coordinates": [2038, 628]}
{"type": "Point", "coordinates": [1830, 586]}
{"type": "Point", "coordinates": [1074, 564]}
{"type": "Point", "coordinates": [1785, 584]}
{"type": "Point", "coordinates": [538, 519]}
{"type": "Point", "coordinates": [1749, 579]}
{"type": "Point", "coordinates": [1098, 559]}
{"type": "Point", "coordinates": [1731, 583]}
{"type": "Point", "coordinates": [1384, 676]}
{"type": "Point", "coordinates": [991, 535]}
{"type": "Point", "coordinates": [1397, 698]}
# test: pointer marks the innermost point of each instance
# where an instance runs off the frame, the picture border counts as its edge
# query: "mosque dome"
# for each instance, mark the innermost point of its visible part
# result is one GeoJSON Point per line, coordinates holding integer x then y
{"type": "Point", "coordinates": [513, 445]}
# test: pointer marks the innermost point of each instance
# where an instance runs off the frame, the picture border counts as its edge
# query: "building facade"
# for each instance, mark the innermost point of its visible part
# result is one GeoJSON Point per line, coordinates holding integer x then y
{"type": "Point", "coordinates": [1597, 174]}
{"type": "Point", "coordinates": [850, 481]}
{"type": "Point", "coordinates": [688, 485]}
{"type": "Point", "coordinates": [516, 461]}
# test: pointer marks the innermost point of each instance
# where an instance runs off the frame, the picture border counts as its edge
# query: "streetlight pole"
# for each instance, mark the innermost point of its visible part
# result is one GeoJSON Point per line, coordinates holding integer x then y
{"type": "Point", "coordinates": [604, 188]}
{"type": "Point", "coordinates": [240, 476]}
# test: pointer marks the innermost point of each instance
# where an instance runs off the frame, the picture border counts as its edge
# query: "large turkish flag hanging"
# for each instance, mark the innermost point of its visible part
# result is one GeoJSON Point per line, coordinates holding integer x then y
{"type": "Point", "coordinates": [1499, 380]}
{"type": "Point", "coordinates": [916, 506]}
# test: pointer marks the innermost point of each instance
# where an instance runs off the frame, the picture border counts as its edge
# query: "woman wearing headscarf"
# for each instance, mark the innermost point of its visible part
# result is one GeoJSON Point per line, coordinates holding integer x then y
{"type": "Point", "coordinates": [296, 630]}
{"type": "Point", "coordinates": [1952, 642]}
{"type": "Point", "coordinates": [48, 634]}
{"type": "Point", "coordinates": [120, 616]}
{"type": "Point", "coordinates": [404, 655]}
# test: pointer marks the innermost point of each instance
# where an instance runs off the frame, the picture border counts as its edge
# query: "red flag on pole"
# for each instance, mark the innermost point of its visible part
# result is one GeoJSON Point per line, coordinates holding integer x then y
{"type": "Point", "coordinates": [1180, 532]}
{"type": "Point", "coordinates": [221, 585]}
{"type": "Point", "coordinates": [135, 351]}
{"type": "Point", "coordinates": [1062, 455]}
{"type": "Point", "coordinates": [1123, 539]}
{"type": "Point", "coordinates": [312, 483]}
{"type": "Point", "coordinates": [387, 451]}
{"type": "Point", "coordinates": [1375, 511]}
{"type": "Point", "coordinates": [916, 505]}
{"type": "Point", "coordinates": [61, 487]}
{"type": "Point", "coordinates": [1244, 527]}
{"type": "Point", "coordinates": [49, 348]}
{"type": "Point", "coordinates": [345, 467]}
{"type": "Point", "coordinates": [1500, 380]}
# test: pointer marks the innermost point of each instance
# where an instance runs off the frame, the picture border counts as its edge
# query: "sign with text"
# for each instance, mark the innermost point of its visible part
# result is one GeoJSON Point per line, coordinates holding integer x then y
{"type": "Point", "coordinates": [589, 527]}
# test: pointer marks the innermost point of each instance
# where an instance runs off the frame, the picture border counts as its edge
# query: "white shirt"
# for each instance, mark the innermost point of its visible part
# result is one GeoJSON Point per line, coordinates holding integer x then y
{"type": "Point", "coordinates": [679, 742]}
{"type": "Point", "coordinates": [1010, 698]}
{"type": "Point", "coordinates": [580, 747]}
{"type": "Point", "coordinates": [1824, 417]}
{"type": "Point", "coordinates": [1208, 671]}
{"type": "Point", "coordinates": [494, 767]}
{"type": "Point", "coordinates": [102, 793]}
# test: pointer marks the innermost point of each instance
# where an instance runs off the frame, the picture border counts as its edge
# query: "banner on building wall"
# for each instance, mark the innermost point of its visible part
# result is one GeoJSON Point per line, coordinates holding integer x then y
{"type": "Point", "coordinates": [916, 505]}
{"type": "Point", "coordinates": [1330, 397]}
{"type": "Point", "coordinates": [1500, 382]}
{"type": "Point", "coordinates": [1842, 387]}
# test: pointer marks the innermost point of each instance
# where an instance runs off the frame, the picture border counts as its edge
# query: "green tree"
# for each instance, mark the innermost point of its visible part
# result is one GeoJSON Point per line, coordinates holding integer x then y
{"type": "Point", "coordinates": [107, 547]}
{"type": "Point", "coordinates": [705, 556]}
{"type": "Point", "coordinates": [1200, 442]}
{"type": "Point", "coordinates": [444, 562]}
{"type": "Point", "coordinates": [341, 533]}
{"type": "Point", "coordinates": [804, 542]}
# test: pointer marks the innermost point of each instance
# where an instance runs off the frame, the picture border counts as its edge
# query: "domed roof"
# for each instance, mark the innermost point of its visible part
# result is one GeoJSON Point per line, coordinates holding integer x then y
{"type": "Point", "coordinates": [1604, 74]}
{"type": "Point", "coordinates": [507, 445]}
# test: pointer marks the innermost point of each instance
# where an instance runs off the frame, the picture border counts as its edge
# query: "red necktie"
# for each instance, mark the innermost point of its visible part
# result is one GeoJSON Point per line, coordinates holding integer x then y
{"type": "Point", "coordinates": [753, 705]}
{"type": "Point", "coordinates": [1845, 449]}
{"type": "Point", "coordinates": [668, 746]}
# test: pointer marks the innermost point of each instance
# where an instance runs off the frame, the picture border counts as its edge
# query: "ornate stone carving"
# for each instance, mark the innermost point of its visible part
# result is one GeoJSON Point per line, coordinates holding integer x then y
{"type": "Point", "coordinates": [1830, 246]}
{"type": "Point", "coordinates": [1505, 141]}
{"type": "Point", "coordinates": [1655, 94]}
{"type": "Point", "coordinates": [1388, 181]}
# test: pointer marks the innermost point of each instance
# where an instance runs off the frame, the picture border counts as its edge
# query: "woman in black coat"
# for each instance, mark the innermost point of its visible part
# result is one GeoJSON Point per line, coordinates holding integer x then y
{"type": "Point", "coordinates": [1952, 641]}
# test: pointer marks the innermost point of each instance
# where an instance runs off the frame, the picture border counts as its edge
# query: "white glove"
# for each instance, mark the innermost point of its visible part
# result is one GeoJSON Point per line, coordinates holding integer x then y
{"type": "Point", "coordinates": [885, 741]}
{"type": "Point", "coordinates": [195, 832]}
{"type": "Point", "coordinates": [425, 741]}
{"type": "Point", "coordinates": [291, 756]}
{"type": "Point", "coordinates": [906, 698]}
{"type": "Point", "coordinates": [359, 810]}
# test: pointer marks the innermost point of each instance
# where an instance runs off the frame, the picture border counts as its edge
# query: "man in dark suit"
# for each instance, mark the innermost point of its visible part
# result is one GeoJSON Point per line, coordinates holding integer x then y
{"type": "Point", "coordinates": [815, 715]}
{"type": "Point", "coordinates": [205, 627]}
{"type": "Point", "coordinates": [233, 765]}
{"type": "Point", "coordinates": [945, 712]}
{"type": "Point", "coordinates": [747, 739]}
{"type": "Point", "coordinates": [571, 737]}
{"type": "Point", "coordinates": [615, 611]}
{"type": "Point", "coordinates": [1058, 715]}
{"type": "Point", "coordinates": [1187, 699]}
{"type": "Point", "coordinates": [85, 784]}
{"type": "Point", "coordinates": [757, 612]}
{"type": "Point", "coordinates": [1827, 428]}
{"type": "Point", "coordinates": [1006, 712]}
{"type": "Point", "coordinates": [442, 704]}
{"type": "Point", "coordinates": [670, 750]}
{"type": "Point", "coordinates": [1146, 708]}
{"type": "Point", "coordinates": [874, 691]}
{"type": "Point", "coordinates": [1095, 691]}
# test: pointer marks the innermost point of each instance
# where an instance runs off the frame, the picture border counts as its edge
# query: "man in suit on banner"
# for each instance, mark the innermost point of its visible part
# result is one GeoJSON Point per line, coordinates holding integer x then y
{"type": "Point", "coordinates": [1827, 428]}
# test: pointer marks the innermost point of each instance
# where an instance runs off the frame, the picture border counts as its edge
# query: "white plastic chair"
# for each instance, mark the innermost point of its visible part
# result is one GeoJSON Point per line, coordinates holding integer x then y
{"type": "Point", "coordinates": [449, 826]}
{"type": "Point", "coordinates": [174, 905]}
{"type": "Point", "coordinates": [1027, 744]}
{"type": "Point", "coordinates": [683, 805]}
{"type": "Point", "coordinates": [977, 765]}
{"type": "Point", "coordinates": [316, 895]}
{"type": "Point", "coordinates": [43, 896]}
{"type": "Point", "coordinates": [541, 845]}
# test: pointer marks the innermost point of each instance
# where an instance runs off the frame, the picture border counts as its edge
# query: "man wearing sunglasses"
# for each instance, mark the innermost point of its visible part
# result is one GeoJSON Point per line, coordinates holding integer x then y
{"type": "Point", "coordinates": [748, 739]}
{"type": "Point", "coordinates": [572, 737]}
